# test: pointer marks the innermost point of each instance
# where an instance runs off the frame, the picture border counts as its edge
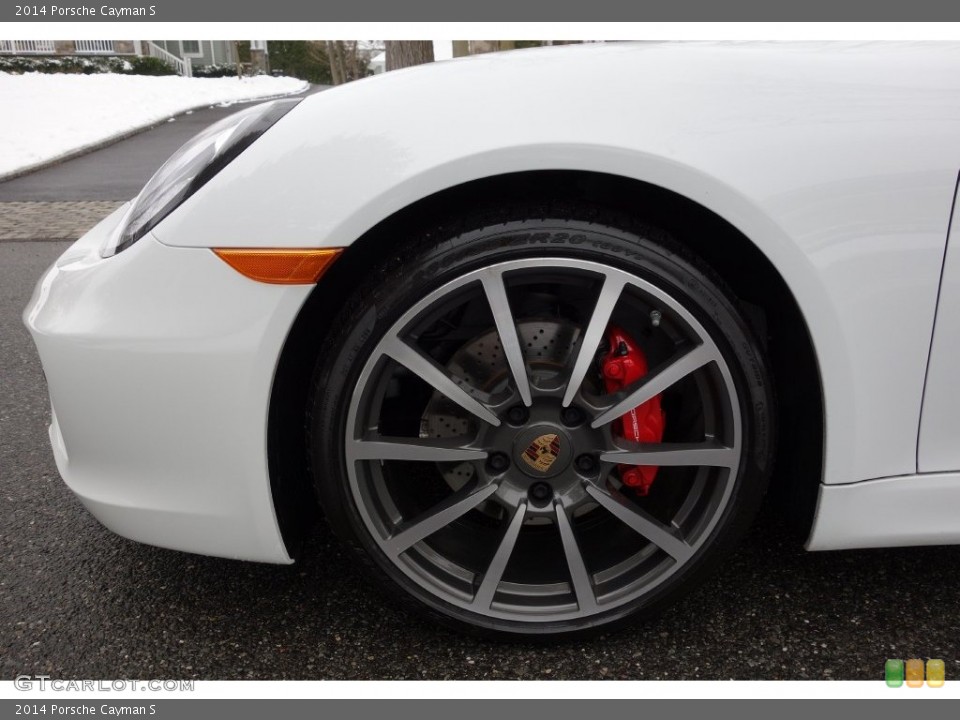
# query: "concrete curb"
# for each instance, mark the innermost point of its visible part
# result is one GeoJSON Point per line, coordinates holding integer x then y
{"type": "Point", "coordinates": [105, 142]}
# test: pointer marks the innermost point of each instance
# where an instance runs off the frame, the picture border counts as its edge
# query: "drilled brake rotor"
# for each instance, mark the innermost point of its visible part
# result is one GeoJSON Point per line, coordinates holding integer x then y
{"type": "Point", "coordinates": [481, 364]}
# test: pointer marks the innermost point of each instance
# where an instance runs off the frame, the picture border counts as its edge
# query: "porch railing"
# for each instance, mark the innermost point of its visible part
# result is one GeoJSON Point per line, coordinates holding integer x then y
{"type": "Point", "coordinates": [183, 67]}
{"type": "Point", "coordinates": [94, 47]}
{"type": "Point", "coordinates": [27, 47]}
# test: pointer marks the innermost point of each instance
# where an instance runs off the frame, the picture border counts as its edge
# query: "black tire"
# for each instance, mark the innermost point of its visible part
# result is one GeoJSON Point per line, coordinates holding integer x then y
{"type": "Point", "coordinates": [440, 254]}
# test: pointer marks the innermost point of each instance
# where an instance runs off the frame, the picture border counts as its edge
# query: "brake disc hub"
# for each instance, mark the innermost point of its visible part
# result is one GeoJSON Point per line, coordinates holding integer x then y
{"type": "Point", "coordinates": [544, 444]}
{"type": "Point", "coordinates": [547, 344]}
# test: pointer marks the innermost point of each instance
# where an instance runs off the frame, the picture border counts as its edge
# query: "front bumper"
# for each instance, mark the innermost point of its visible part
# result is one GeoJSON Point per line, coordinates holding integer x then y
{"type": "Point", "coordinates": [160, 363]}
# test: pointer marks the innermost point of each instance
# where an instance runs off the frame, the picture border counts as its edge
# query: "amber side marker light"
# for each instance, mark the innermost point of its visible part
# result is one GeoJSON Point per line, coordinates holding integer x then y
{"type": "Point", "coordinates": [280, 267]}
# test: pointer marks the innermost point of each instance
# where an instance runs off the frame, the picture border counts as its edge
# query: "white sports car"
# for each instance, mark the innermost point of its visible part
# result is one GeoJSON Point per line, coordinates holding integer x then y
{"type": "Point", "coordinates": [533, 329]}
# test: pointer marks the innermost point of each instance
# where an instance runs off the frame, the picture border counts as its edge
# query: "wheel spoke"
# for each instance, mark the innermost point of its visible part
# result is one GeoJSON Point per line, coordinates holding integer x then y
{"type": "Point", "coordinates": [439, 517]}
{"type": "Point", "coordinates": [493, 575]}
{"type": "Point", "coordinates": [433, 375]}
{"type": "Point", "coordinates": [582, 586]}
{"type": "Point", "coordinates": [673, 454]}
{"type": "Point", "coordinates": [642, 523]}
{"type": "Point", "coordinates": [507, 330]}
{"type": "Point", "coordinates": [590, 340]}
{"type": "Point", "coordinates": [426, 450]}
{"type": "Point", "coordinates": [656, 382]}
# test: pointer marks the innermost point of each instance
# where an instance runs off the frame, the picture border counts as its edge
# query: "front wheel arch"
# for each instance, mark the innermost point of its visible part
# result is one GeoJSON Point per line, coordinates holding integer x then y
{"type": "Point", "coordinates": [763, 294]}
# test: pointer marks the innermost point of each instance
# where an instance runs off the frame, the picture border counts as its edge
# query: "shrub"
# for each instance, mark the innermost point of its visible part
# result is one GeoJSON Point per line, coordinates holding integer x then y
{"type": "Point", "coordinates": [150, 66]}
{"type": "Point", "coordinates": [301, 59]}
{"type": "Point", "coordinates": [88, 66]}
{"type": "Point", "coordinates": [85, 65]}
{"type": "Point", "coordinates": [214, 71]}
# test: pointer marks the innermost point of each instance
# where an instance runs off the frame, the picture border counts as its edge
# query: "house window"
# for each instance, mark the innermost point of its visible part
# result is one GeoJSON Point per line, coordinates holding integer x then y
{"type": "Point", "coordinates": [191, 48]}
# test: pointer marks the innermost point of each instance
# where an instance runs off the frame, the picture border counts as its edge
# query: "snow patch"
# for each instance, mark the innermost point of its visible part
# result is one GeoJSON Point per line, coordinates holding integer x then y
{"type": "Point", "coordinates": [46, 116]}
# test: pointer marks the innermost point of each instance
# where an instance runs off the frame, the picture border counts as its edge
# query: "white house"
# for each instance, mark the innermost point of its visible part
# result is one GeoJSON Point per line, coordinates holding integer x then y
{"type": "Point", "coordinates": [378, 63]}
{"type": "Point", "coordinates": [181, 55]}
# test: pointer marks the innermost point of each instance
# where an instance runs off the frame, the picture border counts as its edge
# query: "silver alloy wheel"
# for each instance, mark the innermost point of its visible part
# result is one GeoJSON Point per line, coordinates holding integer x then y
{"type": "Point", "coordinates": [512, 492]}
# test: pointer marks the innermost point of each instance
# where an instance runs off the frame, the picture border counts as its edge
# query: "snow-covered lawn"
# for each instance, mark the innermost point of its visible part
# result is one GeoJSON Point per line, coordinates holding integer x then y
{"type": "Point", "coordinates": [44, 117]}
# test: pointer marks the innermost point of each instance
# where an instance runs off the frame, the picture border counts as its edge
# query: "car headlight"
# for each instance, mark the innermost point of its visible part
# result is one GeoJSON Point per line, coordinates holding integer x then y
{"type": "Point", "coordinates": [202, 157]}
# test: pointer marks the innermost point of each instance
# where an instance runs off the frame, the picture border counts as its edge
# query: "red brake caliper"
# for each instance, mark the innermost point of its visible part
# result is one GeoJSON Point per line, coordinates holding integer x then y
{"type": "Point", "coordinates": [624, 364]}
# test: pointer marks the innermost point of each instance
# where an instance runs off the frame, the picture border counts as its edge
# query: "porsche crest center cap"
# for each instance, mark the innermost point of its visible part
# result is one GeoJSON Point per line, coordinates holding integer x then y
{"type": "Point", "coordinates": [542, 452]}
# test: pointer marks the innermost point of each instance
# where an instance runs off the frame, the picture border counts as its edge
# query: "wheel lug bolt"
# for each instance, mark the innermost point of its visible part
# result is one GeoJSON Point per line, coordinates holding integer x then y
{"type": "Point", "coordinates": [498, 462]}
{"type": "Point", "coordinates": [571, 416]}
{"type": "Point", "coordinates": [586, 463]}
{"type": "Point", "coordinates": [540, 493]}
{"type": "Point", "coordinates": [517, 415]}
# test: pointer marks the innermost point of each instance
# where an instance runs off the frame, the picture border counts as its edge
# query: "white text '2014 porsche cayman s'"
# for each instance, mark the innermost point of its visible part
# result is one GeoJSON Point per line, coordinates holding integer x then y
{"type": "Point", "coordinates": [536, 330]}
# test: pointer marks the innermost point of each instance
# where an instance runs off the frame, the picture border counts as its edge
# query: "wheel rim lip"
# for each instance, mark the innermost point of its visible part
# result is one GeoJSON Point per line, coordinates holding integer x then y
{"type": "Point", "coordinates": [636, 588]}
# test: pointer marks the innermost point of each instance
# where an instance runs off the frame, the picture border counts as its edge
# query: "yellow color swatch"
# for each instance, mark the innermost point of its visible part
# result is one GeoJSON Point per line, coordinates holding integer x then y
{"type": "Point", "coordinates": [935, 673]}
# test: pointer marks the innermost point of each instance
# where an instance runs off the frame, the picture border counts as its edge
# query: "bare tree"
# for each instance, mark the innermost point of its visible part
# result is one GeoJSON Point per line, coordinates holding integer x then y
{"type": "Point", "coordinates": [346, 59]}
{"type": "Point", "coordinates": [405, 53]}
{"type": "Point", "coordinates": [353, 59]}
{"type": "Point", "coordinates": [336, 69]}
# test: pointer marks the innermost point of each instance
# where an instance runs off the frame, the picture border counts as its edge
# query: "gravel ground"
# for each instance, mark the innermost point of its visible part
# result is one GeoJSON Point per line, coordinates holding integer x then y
{"type": "Point", "coordinates": [38, 221]}
{"type": "Point", "coordinates": [79, 602]}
